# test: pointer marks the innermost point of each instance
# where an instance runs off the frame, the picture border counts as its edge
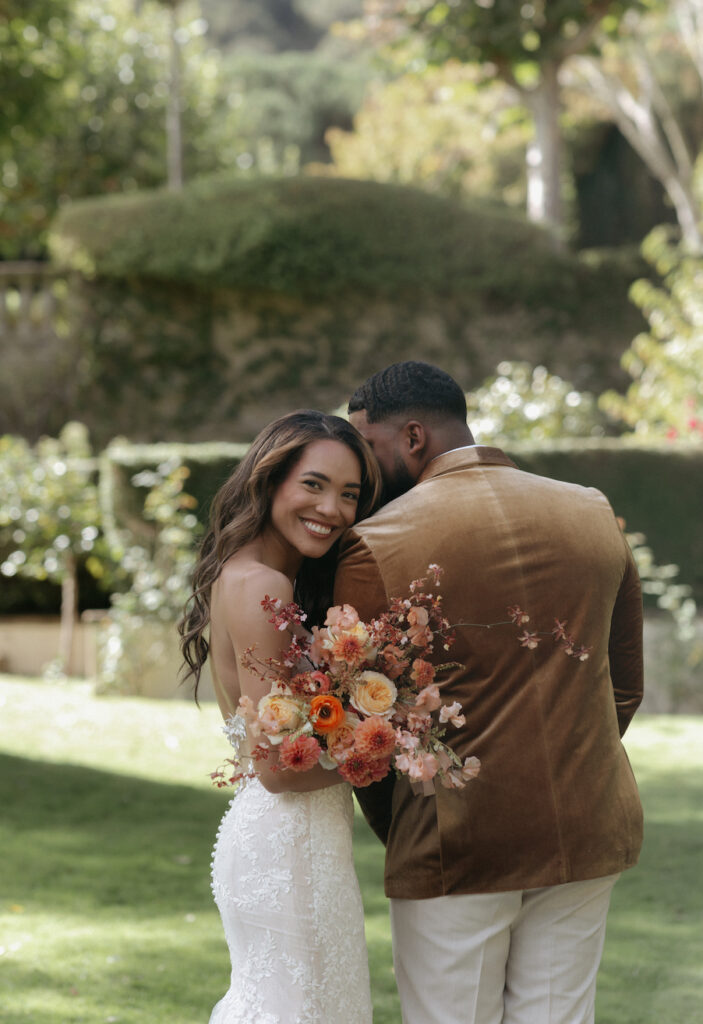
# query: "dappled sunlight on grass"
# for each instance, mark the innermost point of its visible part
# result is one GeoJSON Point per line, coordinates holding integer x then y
{"type": "Point", "coordinates": [107, 827]}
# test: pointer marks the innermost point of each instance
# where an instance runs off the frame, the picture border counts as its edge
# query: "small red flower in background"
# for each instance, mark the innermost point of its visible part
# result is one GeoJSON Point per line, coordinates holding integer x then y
{"type": "Point", "coordinates": [529, 640]}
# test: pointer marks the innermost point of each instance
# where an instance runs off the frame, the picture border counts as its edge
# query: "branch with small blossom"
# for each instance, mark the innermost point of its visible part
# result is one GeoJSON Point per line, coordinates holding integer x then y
{"type": "Point", "coordinates": [531, 640]}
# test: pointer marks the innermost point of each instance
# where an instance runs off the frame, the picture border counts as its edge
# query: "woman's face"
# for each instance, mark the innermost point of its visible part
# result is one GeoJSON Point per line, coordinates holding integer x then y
{"type": "Point", "coordinates": [317, 500]}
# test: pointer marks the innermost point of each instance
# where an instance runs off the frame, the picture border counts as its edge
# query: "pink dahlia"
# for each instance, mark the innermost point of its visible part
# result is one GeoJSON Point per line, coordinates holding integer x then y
{"type": "Point", "coordinates": [375, 737]}
{"type": "Point", "coordinates": [299, 755]}
{"type": "Point", "coordinates": [360, 769]}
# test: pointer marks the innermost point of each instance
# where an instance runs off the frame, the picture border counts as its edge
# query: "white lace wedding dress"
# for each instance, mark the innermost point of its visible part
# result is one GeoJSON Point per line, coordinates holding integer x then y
{"type": "Point", "coordinates": [284, 882]}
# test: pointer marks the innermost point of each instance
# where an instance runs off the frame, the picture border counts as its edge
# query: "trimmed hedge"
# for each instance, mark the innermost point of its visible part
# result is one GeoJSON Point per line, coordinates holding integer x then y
{"type": "Point", "coordinates": [656, 489]}
{"type": "Point", "coordinates": [319, 237]}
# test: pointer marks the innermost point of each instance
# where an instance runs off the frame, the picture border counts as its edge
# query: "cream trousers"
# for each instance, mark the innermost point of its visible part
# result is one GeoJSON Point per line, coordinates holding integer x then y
{"type": "Point", "coordinates": [526, 957]}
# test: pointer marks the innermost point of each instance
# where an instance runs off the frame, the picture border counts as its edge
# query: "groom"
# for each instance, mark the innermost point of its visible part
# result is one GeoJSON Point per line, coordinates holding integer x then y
{"type": "Point", "coordinates": [500, 891]}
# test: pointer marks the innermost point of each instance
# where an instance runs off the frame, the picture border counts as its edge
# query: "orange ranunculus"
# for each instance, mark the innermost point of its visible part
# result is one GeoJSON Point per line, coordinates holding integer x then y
{"type": "Point", "coordinates": [327, 712]}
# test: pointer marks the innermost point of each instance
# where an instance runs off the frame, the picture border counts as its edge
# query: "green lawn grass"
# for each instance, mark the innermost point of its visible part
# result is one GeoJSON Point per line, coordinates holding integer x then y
{"type": "Point", "coordinates": [107, 823]}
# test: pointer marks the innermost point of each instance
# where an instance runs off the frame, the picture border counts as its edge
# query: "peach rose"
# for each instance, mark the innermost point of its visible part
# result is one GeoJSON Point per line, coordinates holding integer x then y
{"type": "Point", "coordinates": [341, 741]}
{"type": "Point", "coordinates": [279, 714]}
{"type": "Point", "coordinates": [326, 712]}
{"type": "Point", "coordinates": [374, 694]}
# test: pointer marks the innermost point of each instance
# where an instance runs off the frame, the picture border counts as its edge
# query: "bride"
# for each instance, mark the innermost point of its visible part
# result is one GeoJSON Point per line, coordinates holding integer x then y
{"type": "Point", "coordinates": [282, 871]}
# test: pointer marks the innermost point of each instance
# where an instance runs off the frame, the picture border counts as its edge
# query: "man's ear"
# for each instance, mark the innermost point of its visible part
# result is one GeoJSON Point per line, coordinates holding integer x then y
{"type": "Point", "coordinates": [415, 437]}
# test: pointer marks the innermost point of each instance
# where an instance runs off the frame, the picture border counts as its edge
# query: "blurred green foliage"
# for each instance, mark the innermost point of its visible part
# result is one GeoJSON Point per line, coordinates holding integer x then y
{"type": "Point", "coordinates": [515, 38]}
{"type": "Point", "coordinates": [158, 562]}
{"type": "Point", "coordinates": [85, 91]}
{"type": "Point", "coordinates": [32, 34]}
{"type": "Point", "coordinates": [49, 516]}
{"type": "Point", "coordinates": [526, 403]}
{"type": "Point", "coordinates": [272, 110]}
{"type": "Point", "coordinates": [268, 26]}
{"type": "Point", "coordinates": [666, 362]}
{"type": "Point", "coordinates": [59, 510]}
{"type": "Point", "coordinates": [201, 306]}
{"type": "Point", "coordinates": [443, 129]}
{"type": "Point", "coordinates": [100, 127]}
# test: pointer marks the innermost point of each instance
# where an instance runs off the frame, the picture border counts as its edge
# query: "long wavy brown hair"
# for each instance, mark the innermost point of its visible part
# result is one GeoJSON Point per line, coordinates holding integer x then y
{"type": "Point", "coordinates": [241, 508]}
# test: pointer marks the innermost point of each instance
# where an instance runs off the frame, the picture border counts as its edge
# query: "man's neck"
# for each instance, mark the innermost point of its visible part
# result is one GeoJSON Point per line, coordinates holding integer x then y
{"type": "Point", "coordinates": [448, 440]}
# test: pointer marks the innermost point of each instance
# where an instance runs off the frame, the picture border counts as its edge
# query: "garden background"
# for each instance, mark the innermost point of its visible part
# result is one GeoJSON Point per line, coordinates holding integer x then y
{"type": "Point", "coordinates": [214, 212]}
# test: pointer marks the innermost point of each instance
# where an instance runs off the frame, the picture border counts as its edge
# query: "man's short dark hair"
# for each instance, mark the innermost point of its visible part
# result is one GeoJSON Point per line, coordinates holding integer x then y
{"type": "Point", "coordinates": [406, 388]}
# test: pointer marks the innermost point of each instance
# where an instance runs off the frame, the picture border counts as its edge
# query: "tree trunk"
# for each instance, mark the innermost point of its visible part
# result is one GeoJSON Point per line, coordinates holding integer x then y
{"type": "Point", "coordinates": [69, 614]}
{"type": "Point", "coordinates": [174, 137]}
{"type": "Point", "coordinates": [687, 212]}
{"type": "Point", "coordinates": [544, 163]}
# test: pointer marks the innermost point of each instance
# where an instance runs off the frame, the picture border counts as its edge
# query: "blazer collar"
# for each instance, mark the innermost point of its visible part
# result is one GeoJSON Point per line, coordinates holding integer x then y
{"type": "Point", "coordinates": [465, 458]}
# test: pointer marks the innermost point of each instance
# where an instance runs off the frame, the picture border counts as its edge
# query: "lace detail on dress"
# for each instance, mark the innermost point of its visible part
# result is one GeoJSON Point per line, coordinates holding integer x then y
{"type": "Point", "coordinates": [283, 879]}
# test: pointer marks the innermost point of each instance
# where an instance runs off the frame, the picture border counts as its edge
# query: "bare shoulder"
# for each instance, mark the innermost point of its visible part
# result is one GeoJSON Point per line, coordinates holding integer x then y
{"type": "Point", "coordinates": [244, 583]}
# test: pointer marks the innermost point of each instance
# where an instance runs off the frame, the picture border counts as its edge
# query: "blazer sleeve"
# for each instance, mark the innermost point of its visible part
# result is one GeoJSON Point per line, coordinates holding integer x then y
{"type": "Point", "coordinates": [359, 582]}
{"type": "Point", "coordinates": [625, 645]}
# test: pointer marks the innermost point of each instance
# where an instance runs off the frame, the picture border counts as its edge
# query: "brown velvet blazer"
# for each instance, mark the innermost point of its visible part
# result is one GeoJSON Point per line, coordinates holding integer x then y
{"type": "Point", "coordinates": [556, 800]}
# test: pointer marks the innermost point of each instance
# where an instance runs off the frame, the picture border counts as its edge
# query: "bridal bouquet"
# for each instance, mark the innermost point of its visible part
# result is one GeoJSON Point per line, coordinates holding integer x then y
{"type": "Point", "coordinates": [363, 700]}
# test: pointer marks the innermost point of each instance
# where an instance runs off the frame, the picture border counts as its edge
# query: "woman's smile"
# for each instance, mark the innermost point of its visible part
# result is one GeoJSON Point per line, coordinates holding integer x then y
{"type": "Point", "coordinates": [316, 528]}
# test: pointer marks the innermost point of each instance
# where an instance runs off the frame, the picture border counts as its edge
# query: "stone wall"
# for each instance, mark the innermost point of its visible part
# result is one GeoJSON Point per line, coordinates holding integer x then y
{"type": "Point", "coordinates": [188, 364]}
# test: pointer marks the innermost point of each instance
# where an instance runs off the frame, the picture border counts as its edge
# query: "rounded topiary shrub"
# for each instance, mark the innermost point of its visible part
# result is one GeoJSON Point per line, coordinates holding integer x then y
{"type": "Point", "coordinates": [204, 313]}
